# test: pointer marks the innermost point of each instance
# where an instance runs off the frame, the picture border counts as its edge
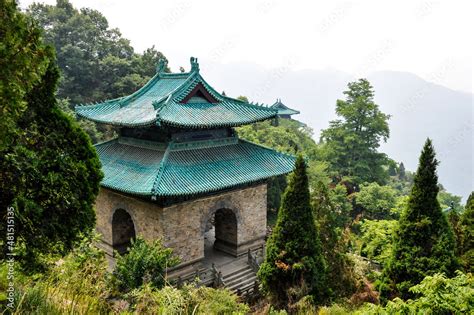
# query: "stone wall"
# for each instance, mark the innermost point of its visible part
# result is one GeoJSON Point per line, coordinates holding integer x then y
{"type": "Point", "coordinates": [182, 226]}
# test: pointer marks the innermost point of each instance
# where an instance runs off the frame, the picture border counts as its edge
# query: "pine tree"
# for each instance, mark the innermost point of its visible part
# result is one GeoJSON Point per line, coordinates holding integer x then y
{"type": "Point", "coordinates": [294, 265]}
{"type": "Point", "coordinates": [467, 225]}
{"type": "Point", "coordinates": [424, 243]}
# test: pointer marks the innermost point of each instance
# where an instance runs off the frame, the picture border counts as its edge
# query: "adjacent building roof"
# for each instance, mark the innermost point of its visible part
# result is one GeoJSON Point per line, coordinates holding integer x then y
{"type": "Point", "coordinates": [176, 99]}
{"type": "Point", "coordinates": [154, 169]}
{"type": "Point", "coordinates": [283, 109]}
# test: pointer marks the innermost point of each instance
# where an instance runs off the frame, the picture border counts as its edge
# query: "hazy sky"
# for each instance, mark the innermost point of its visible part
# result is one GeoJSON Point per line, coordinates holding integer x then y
{"type": "Point", "coordinates": [428, 38]}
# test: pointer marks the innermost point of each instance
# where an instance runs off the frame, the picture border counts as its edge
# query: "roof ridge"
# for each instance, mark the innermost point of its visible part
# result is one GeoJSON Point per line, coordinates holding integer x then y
{"type": "Point", "coordinates": [161, 170]}
{"type": "Point", "coordinates": [169, 96]}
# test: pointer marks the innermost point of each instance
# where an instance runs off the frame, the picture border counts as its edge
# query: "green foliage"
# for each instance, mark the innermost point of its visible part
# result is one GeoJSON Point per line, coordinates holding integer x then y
{"type": "Point", "coordinates": [96, 62]}
{"type": "Point", "coordinates": [424, 243]}
{"type": "Point", "coordinates": [289, 136]}
{"type": "Point", "coordinates": [275, 187]}
{"type": "Point", "coordinates": [467, 240]}
{"type": "Point", "coordinates": [351, 143]}
{"type": "Point", "coordinates": [377, 239]}
{"type": "Point", "coordinates": [75, 285]}
{"type": "Point", "coordinates": [447, 200]}
{"type": "Point", "coordinates": [50, 176]}
{"type": "Point", "coordinates": [376, 201]}
{"type": "Point", "coordinates": [146, 262]}
{"type": "Point", "coordinates": [437, 294]}
{"type": "Point", "coordinates": [331, 221]}
{"type": "Point", "coordinates": [294, 265]}
{"type": "Point", "coordinates": [23, 61]}
{"type": "Point", "coordinates": [188, 300]}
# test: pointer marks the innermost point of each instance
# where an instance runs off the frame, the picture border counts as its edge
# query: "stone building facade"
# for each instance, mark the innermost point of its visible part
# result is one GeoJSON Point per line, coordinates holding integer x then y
{"type": "Point", "coordinates": [239, 219]}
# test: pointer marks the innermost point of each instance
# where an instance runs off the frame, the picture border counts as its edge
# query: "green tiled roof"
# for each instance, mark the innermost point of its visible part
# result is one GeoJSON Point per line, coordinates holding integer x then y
{"type": "Point", "coordinates": [163, 101]}
{"type": "Point", "coordinates": [146, 168]}
{"type": "Point", "coordinates": [283, 109]}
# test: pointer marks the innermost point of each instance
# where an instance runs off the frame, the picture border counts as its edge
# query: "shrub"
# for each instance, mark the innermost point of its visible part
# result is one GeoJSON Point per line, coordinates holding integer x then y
{"type": "Point", "coordinates": [76, 284]}
{"type": "Point", "coordinates": [188, 300]}
{"type": "Point", "coordinates": [145, 262]}
{"type": "Point", "coordinates": [437, 295]}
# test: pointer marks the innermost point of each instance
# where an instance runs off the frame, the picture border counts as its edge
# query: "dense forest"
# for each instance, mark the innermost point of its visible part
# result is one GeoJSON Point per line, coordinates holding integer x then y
{"type": "Point", "coordinates": [353, 231]}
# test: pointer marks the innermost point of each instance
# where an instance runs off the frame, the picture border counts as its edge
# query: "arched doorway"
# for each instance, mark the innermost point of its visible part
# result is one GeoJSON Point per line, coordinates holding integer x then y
{"type": "Point", "coordinates": [221, 234]}
{"type": "Point", "coordinates": [123, 231]}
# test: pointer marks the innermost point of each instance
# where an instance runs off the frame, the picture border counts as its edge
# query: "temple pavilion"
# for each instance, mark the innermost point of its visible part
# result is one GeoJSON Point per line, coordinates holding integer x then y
{"type": "Point", "coordinates": [179, 172]}
{"type": "Point", "coordinates": [283, 110]}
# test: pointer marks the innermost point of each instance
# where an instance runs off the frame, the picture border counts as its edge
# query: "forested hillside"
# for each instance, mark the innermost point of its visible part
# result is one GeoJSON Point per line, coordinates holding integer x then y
{"type": "Point", "coordinates": [351, 230]}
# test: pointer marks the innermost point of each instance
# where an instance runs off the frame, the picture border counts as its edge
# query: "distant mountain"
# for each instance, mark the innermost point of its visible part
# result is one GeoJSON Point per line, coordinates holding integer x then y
{"type": "Point", "coordinates": [419, 109]}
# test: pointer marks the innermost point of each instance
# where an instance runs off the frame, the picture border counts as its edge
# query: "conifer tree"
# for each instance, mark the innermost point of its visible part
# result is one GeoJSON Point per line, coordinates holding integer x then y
{"type": "Point", "coordinates": [294, 265]}
{"type": "Point", "coordinates": [331, 222]}
{"type": "Point", "coordinates": [50, 177]}
{"type": "Point", "coordinates": [424, 243]}
{"type": "Point", "coordinates": [467, 225]}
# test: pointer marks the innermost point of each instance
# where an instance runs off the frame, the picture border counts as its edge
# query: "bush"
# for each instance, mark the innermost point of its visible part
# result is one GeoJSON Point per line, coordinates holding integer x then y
{"type": "Point", "coordinates": [377, 239]}
{"type": "Point", "coordinates": [437, 295]}
{"type": "Point", "coordinates": [188, 300]}
{"type": "Point", "coordinates": [76, 284]}
{"type": "Point", "coordinates": [144, 263]}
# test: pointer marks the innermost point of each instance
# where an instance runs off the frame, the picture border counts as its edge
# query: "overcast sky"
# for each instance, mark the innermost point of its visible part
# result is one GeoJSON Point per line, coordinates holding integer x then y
{"type": "Point", "coordinates": [428, 38]}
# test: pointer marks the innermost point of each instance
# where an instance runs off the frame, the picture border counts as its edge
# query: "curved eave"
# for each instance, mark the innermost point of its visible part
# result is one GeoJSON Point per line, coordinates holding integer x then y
{"type": "Point", "coordinates": [208, 191]}
{"type": "Point", "coordinates": [147, 123]}
{"type": "Point", "coordinates": [288, 112]}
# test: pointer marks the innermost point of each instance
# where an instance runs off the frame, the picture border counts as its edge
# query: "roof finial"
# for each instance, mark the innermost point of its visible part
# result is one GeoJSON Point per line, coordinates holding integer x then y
{"type": "Point", "coordinates": [194, 64]}
{"type": "Point", "coordinates": [162, 64]}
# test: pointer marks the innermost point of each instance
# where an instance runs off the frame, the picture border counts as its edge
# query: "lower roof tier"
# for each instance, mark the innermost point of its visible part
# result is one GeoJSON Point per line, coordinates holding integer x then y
{"type": "Point", "coordinates": [155, 169]}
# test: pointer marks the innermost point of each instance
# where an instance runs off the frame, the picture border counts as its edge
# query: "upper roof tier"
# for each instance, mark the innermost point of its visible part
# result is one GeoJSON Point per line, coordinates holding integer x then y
{"type": "Point", "coordinates": [176, 99]}
{"type": "Point", "coordinates": [283, 109]}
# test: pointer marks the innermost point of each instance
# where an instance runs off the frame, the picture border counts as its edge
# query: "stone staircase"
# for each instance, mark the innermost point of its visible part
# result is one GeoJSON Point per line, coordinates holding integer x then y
{"type": "Point", "coordinates": [241, 281]}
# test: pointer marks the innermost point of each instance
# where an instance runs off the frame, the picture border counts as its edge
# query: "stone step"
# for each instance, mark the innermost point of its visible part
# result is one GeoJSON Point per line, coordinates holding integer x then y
{"type": "Point", "coordinates": [242, 285]}
{"type": "Point", "coordinates": [239, 275]}
{"type": "Point", "coordinates": [235, 271]}
{"type": "Point", "coordinates": [240, 279]}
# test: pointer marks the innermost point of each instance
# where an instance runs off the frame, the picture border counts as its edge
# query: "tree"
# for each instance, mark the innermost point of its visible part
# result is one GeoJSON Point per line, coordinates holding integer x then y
{"type": "Point", "coordinates": [424, 243]}
{"type": "Point", "coordinates": [467, 225]}
{"type": "Point", "coordinates": [351, 143]}
{"type": "Point", "coordinates": [50, 176]}
{"type": "Point", "coordinates": [376, 201]}
{"type": "Point", "coordinates": [23, 61]}
{"type": "Point", "coordinates": [96, 62]}
{"type": "Point", "coordinates": [401, 171]}
{"type": "Point", "coordinates": [331, 221]}
{"type": "Point", "coordinates": [294, 265]}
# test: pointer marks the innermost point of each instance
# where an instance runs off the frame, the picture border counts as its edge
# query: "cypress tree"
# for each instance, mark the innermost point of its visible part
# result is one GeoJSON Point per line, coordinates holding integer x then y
{"type": "Point", "coordinates": [467, 225]}
{"type": "Point", "coordinates": [424, 243]}
{"type": "Point", "coordinates": [50, 176]}
{"type": "Point", "coordinates": [331, 222]}
{"type": "Point", "coordinates": [294, 265]}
